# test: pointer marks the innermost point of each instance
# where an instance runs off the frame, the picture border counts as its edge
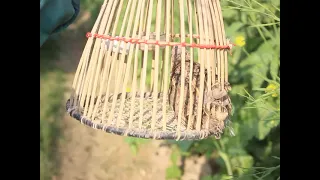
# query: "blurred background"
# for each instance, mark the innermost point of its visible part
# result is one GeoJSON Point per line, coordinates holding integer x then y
{"type": "Point", "coordinates": [71, 151]}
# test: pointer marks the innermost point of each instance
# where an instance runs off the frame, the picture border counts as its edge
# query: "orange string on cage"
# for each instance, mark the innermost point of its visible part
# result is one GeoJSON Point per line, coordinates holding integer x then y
{"type": "Point", "coordinates": [139, 41]}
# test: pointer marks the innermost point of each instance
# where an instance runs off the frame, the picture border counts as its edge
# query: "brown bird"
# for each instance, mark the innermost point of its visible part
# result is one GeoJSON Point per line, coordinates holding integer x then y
{"type": "Point", "coordinates": [218, 101]}
{"type": "Point", "coordinates": [175, 85]}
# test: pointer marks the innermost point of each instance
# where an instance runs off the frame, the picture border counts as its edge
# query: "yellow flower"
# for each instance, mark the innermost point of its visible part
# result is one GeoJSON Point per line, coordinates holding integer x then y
{"type": "Point", "coordinates": [270, 88]}
{"type": "Point", "coordinates": [240, 41]}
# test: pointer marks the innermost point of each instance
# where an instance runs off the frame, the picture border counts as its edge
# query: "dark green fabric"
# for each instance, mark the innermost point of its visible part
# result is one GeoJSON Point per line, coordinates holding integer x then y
{"type": "Point", "coordinates": [56, 15]}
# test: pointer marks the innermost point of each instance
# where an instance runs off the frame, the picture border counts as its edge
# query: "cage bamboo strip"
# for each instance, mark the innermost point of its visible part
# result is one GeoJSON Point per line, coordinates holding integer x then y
{"type": "Point", "coordinates": [211, 41]}
{"type": "Point", "coordinates": [79, 78]}
{"type": "Point", "coordinates": [96, 78]}
{"type": "Point", "coordinates": [214, 51]}
{"type": "Point", "coordinates": [134, 85]}
{"type": "Point", "coordinates": [165, 93]}
{"type": "Point", "coordinates": [197, 26]}
{"type": "Point", "coordinates": [78, 75]}
{"type": "Point", "coordinates": [220, 42]}
{"type": "Point", "coordinates": [207, 59]}
{"type": "Point", "coordinates": [201, 57]}
{"type": "Point", "coordinates": [92, 68]}
{"type": "Point", "coordinates": [85, 85]}
{"type": "Point", "coordinates": [123, 55]}
{"type": "Point", "coordinates": [164, 26]}
{"type": "Point", "coordinates": [97, 72]}
{"type": "Point", "coordinates": [224, 41]}
{"type": "Point", "coordinates": [155, 85]}
{"type": "Point", "coordinates": [172, 17]}
{"type": "Point", "coordinates": [213, 67]}
{"type": "Point", "coordinates": [107, 70]}
{"type": "Point", "coordinates": [145, 18]}
{"type": "Point", "coordinates": [152, 74]}
{"type": "Point", "coordinates": [222, 52]}
{"type": "Point", "coordinates": [101, 89]}
{"type": "Point", "coordinates": [120, 61]}
{"type": "Point", "coordinates": [217, 56]}
{"type": "Point", "coordinates": [161, 80]}
{"type": "Point", "coordinates": [107, 13]}
{"type": "Point", "coordinates": [144, 68]}
{"type": "Point", "coordinates": [217, 38]}
{"type": "Point", "coordinates": [135, 78]}
{"type": "Point", "coordinates": [191, 116]}
{"type": "Point", "coordinates": [111, 58]}
{"type": "Point", "coordinates": [86, 88]}
{"type": "Point", "coordinates": [135, 66]}
{"type": "Point", "coordinates": [183, 58]}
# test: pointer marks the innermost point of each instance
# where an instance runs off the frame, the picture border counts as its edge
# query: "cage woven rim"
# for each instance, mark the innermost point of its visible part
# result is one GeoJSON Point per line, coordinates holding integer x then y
{"type": "Point", "coordinates": [138, 133]}
{"type": "Point", "coordinates": [161, 43]}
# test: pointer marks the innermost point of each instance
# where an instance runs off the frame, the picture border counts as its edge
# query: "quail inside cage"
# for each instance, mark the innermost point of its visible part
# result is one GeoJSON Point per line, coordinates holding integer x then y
{"type": "Point", "coordinates": [155, 69]}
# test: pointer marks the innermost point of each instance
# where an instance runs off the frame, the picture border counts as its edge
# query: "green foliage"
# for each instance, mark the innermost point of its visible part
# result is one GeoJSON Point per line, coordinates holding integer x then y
{"type": "Point", "coordinates": [173, 172]}
{"type": "Point", "coordinates": [134, 143]}
{"type": "Point", "coordinates": [51, 96]}
{"type": "Point", "coordinates": [93, 6]}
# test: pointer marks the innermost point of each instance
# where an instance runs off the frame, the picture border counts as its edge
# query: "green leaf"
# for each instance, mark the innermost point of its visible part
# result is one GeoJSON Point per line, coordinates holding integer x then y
{"type": "Point", "coordinates": [276, 3]}
{"type": "Point", "coordinates": [206, 178]}
{"type": "Point", "coordinates": [129, 140]}
{"type": "Point", "coordinates": [241, 163]}
{"type": "Point", "coordinates": [236, 56]}
{"type": "Point", "coordinates": [134, 149]}
{"type": "Point", "coordinates": [233, 30]}
{"type": "Point", "coordinates": [268, 24]}
{"type": "Point", "coordinates": [274, 67]}
{"type": "Point", "coordinates": [264, 128]}
{"type": "Point", "coordinates": [259, 89]}
{"type": "Point", "coordinates": [261, 59]}
{"type": "Point", "coordinates": [173, 172]}
{"type": "Point", "coordinates": [221, 177]}
{"type": "Point", "coordinates": [184, 145]}
{"type": "Point", "coordinates": [175, 154]}
{"type": "Point", "coordinates": [229, 14]}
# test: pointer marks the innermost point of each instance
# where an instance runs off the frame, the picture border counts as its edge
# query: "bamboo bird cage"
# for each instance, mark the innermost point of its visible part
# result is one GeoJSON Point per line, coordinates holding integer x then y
{"type": "Point", "coordinates": [155, 69]}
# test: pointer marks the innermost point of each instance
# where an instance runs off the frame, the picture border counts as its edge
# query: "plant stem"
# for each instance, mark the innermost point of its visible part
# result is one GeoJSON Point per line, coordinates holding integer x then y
{"type": "Point", "coordinates": [226, 160]}
{"type": "Point", "coordinates": [245, 51]}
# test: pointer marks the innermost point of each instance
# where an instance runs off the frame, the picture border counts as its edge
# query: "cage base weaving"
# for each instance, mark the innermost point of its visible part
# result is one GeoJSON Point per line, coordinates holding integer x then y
{"type": "Point", "coordinates": [145, 130]}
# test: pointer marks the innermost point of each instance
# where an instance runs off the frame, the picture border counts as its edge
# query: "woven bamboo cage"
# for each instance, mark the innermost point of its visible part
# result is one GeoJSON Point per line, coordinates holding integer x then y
{"type": "Point", "coordinates": [155, 69]}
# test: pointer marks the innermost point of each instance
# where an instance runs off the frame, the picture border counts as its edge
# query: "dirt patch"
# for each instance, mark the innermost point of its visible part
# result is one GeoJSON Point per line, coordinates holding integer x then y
{"type": "Point", "coordinates": [91, 154]}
